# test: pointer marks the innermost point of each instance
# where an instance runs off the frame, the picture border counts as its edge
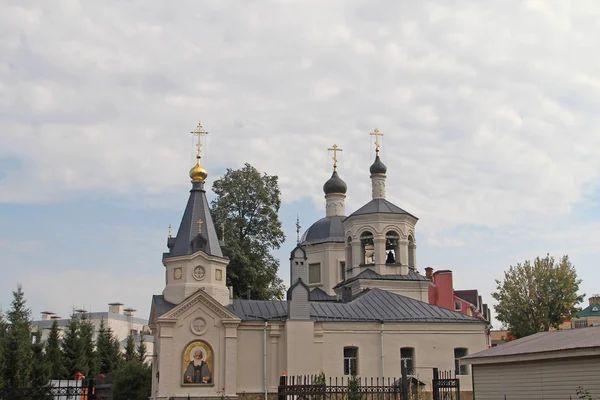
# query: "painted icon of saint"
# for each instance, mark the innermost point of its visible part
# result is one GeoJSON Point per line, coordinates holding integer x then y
{"type": "Point", "coordinates": [197, 371]}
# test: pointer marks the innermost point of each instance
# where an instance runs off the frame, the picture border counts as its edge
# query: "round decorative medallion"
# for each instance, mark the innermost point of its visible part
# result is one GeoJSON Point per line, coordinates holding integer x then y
{"type": "Point", "coordinates": [198, 326]}
{"type": "Point", "coordinates": [199, 273]}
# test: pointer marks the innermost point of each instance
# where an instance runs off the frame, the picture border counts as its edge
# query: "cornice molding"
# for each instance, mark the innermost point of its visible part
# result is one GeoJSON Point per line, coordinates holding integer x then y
{"type": "Point", "coordinates": [200, 297]}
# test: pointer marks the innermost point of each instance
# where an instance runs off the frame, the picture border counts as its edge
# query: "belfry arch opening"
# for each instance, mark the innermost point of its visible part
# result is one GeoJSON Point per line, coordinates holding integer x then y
{"type": "Point", "coordinates": [349, 263]}
{"type": "Point", "coordinates": [367, 248]}
{"type": "Point", "coordinates": [411, 251]}
{"type": "Point", "coordinates": [392, 247]}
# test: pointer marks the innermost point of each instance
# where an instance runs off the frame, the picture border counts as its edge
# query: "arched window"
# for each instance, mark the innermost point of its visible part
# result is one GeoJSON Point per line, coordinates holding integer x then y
{"type": "Point", "coordinates": [349, 252]}
{"type": "Point", "coordinates": [368, 248]}
{"type": "Point", "coordinates": [407, 359]}
{"type": "Point", "coordinates": [392, 247]}
{"type": "Point", "coordinates": [411, 252]}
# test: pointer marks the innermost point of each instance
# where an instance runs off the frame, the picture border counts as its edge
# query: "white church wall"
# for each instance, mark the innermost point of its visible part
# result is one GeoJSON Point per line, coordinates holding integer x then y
{"type": "Point", "coordinates": [433, 345]}
{"type": "Point", "coordinates": [182, 280]}
{"type": "Point", "coordinates": [250, 357]}
{"type": "Point", "coordinates": [329, 256]}
{"type": "Point", "coordinates": [198, 326]}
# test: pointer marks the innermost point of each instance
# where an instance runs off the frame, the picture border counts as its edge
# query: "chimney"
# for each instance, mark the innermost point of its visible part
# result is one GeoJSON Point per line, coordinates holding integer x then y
{"type": "Point", "coordinates": [346, 294]}
{"type": "Point", "coordinates": [116, 308]}
{"type": "Point", "coordinates": [129, 312]}
{"type": "Point", "coordinates": [444, 289]}
{"type": "Point", "coordinates": [47, 315]}
{"type": "Point", "coordinates": [429, 273]}
{"type": "Point", "coordinates": [595, 299]}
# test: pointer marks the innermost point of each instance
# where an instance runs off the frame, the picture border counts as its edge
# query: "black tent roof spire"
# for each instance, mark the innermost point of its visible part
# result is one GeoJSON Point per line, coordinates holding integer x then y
{"type": "Point", "coordinates": [197, 230]}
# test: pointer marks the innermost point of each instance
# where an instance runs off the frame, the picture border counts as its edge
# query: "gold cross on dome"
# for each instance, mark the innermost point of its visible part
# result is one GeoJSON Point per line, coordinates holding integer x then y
{"type": "Point", "coordinates": [335, 149]}
{"type": "Point", "coordinates": [376, 133]}
{"type": "Point", "coordinates": [200, 222]}
{"type": "Point", "coordinates": [199, 132]}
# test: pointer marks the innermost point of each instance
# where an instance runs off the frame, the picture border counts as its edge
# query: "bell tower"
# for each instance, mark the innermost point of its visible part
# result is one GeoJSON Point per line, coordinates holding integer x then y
{"type": "Point", "coordinates": [195, 259]}
{"type": "Point", "coordinates": [380, 235]}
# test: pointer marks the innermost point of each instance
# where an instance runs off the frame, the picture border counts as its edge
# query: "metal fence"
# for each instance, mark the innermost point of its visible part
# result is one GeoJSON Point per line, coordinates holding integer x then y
{"type": "Point", "coordinates": [316, 387]}
{"type": "Point", "coordinates": [57, 390]}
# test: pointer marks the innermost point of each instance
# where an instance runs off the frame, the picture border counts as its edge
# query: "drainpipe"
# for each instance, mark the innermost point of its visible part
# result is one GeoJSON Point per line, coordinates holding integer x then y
{"type": "Point", "coordinates": [382, 352]}
{"type": "Point", "coordinates": [265, 360]}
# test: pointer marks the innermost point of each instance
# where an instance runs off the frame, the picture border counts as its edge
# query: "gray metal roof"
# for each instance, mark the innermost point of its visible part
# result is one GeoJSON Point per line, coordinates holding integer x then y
{"type": "Point", "coordinates": [325, 230]}
{"type": "Point", "coordinates": [567, 339]}
{"type": "Point", "coordinates": [370, 305]}
{"type": "Point", "coordinates": [160, 305]}
{"type": "Point", "coordinates": [189, 239]}
{"type": "Point", "coordinates": [372, 275]}
{"type": "Point", "coordinates": [318, 294]}
{"type": "Point", "coordinates": [383, 206]}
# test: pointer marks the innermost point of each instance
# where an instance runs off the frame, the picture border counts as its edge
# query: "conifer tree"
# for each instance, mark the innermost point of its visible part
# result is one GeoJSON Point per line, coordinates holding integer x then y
{"type": "Point", "coordinates": [54, 354]}
{"type": "Point", "coordinates": [142, 351]}
{"type": "Point", "coordinates": [107, 350]}
{"type": "Point", "coordinates": [116, 355]}
{"type": "Point", "coordinates": [3, 327]}
{"type": "Point", "coordinates": [16, 351]}
{"type": "Point", "coordinates": [133, 381]}
{"type": "Point", "coordinates": [130, 353]}
{"type": "Point", "coordinates": [40, 366]}
{"type": "Point", "coordinates": [86, 337]}
{"type": "Point", "coordinates": [72, 351]}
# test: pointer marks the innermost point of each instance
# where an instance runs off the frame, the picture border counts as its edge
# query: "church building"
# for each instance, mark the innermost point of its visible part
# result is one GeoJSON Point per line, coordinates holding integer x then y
{"type": "Point", "coordinates": [357, 304]}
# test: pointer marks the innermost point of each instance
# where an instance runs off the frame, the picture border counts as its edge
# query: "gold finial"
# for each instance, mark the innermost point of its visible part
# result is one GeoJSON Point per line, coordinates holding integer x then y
{"type": "Point", "coordinates": [198, 173]}
{"type": "Point", "coordinates": [169, 230]}
{"type": "Point", "coordinates": [335, 149]}
{"type": "Point", "coordinates": [200, 222]}
{"type": "Point", "coordinates": [376, 133]}
{"type": "Point", "coordinates": [223, 231]}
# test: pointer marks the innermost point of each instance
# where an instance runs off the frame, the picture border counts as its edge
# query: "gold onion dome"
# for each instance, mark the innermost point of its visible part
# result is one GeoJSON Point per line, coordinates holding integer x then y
{"type": "Point", "coordinates": [198, 173]}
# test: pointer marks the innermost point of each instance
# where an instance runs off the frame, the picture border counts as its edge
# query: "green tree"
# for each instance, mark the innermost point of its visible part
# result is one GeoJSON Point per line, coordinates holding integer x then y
{"type": "Point", "coordinates": [54, 354]}
{"type": "Point", "coordinates": [3, 328]}
{"type": "Point", "coordinates": [538, 296]}
{"type": "Point", "coordinates": [86, 337]}
{"type": "Point", "coordinates": [17, 352]}
{"type": "Point", "coordinates": [142, 351]}
{"type": "Point", "coordinates": [246, 209]}
{"type": "Point", "coordinates": [107, 350]}
{"type": "Point", "coordinates": [40, 370]}
{"type": "Point", "coordinates": [72, 350]}
{"type": "Point", "coordinates": [130, 353]}
{"type": "Point", "coordinates": [132, 381]}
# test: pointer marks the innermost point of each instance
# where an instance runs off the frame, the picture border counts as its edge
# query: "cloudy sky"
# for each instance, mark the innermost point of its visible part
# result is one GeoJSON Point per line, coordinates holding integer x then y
{"type": "Point", "coordinates": [489, 110]}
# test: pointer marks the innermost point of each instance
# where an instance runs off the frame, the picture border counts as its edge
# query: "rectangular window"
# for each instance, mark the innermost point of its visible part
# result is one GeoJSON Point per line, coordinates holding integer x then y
{"type": "Point", "coordinates": [351, 361]}
{"type": "Point", "coordinates": [581, 323]}
{"type": "Point", "coordinates": [457, 306]}
{"type": "Point", "coordinates": [458, 367]}
{"type": "Point", "coordinates": [407, 358]}
{"type": "Point", "coordinates": [314, 273]}
{"type": "Point", "coordinates": [342, 270]}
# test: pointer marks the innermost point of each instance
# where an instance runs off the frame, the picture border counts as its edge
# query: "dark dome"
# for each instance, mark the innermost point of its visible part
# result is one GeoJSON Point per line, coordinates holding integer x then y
{"type": "Point", "coordinates": [335, 184]}
{"type": "Point", "coordinates": [328, 229]}
{"type": "Point", "coordinates": [378, 167]}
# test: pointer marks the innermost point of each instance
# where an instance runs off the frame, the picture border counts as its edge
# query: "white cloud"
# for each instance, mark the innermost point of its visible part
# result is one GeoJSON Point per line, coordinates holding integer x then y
{"type": "Point", "coordinates": [489, 109]}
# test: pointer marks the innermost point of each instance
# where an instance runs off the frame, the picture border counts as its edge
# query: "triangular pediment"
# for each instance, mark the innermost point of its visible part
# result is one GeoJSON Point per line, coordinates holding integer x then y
{"type": "Point", "coordinates": [203, 298]}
